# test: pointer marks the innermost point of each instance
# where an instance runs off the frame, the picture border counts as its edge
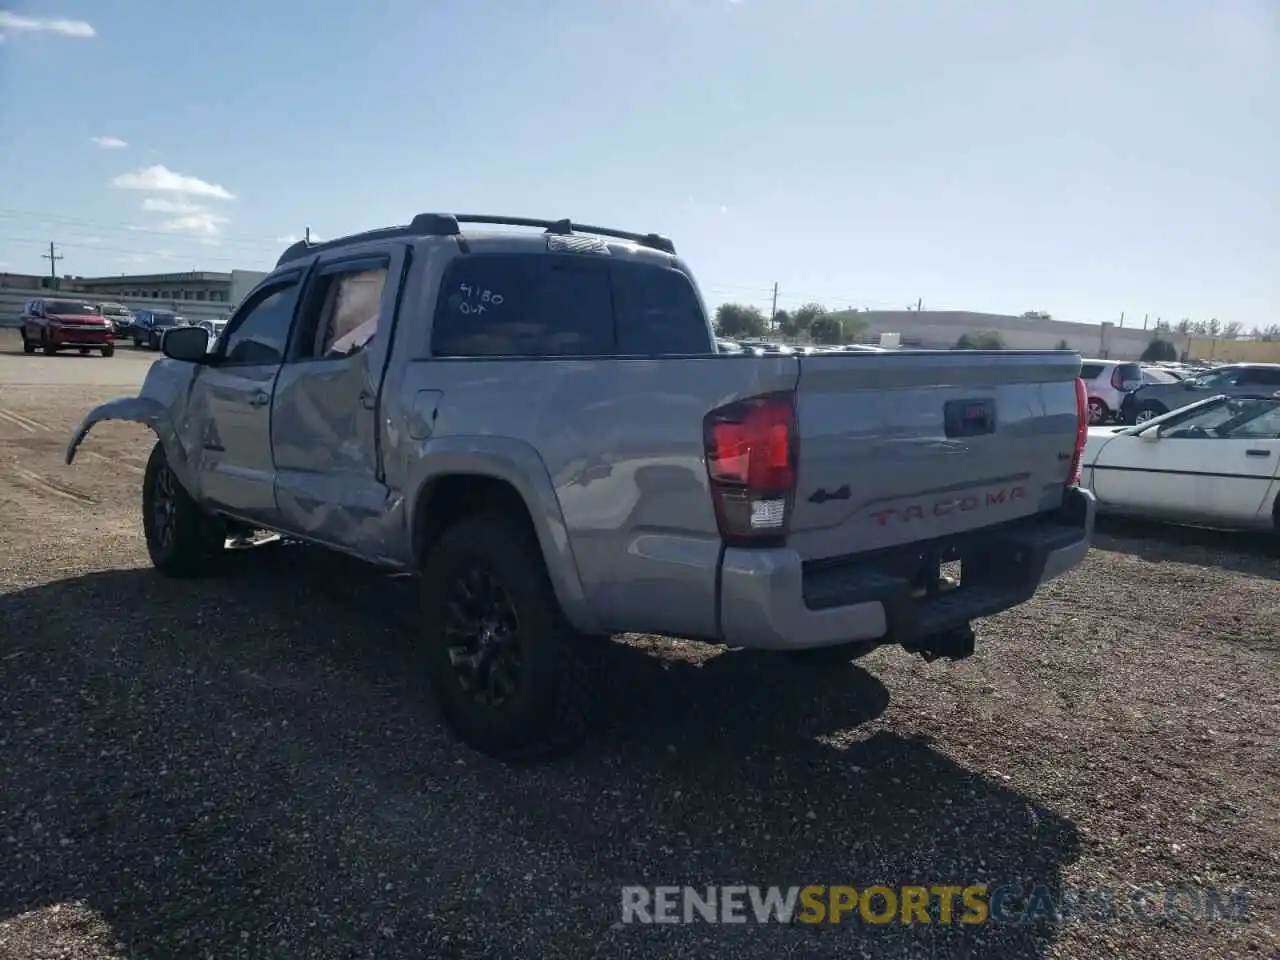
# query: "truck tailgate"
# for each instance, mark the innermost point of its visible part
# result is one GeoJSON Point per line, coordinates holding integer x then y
{"type": "Point", "coordinates": [906, 446]}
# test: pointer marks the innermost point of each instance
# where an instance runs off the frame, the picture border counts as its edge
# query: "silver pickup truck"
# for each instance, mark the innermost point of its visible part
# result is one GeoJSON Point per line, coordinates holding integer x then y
{"type": "Point", "coordinates": [537, 422]}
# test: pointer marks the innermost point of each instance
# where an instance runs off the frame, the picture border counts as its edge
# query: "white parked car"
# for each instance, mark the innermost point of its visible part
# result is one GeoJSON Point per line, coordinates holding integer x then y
{"type": "Point", "coordinates": [1214, 463]}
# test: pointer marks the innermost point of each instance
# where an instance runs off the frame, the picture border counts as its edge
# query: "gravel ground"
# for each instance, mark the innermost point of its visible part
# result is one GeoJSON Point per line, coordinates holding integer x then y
{"type": "Point", "coordinates": [240, 767]}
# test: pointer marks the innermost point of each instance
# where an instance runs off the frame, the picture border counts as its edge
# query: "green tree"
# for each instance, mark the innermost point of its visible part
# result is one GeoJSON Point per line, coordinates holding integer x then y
{"type": "Point", "coordinates": [1159, 349]}
{"type": "Point", "coordinates": [982, 340]}
{"type": "Point", "coordinates": [784, 321]}
{"type": "Point", "coordinates": [853, 327]}
{"type": "Point", "coordinates": [826, 329]}
{"type": "Point", "coordinates": [1231, 330]}
{"type": "Point", "coordinates": [804, 316]}
{"type": "Point", "coordinates": [1162, 326]}
{"type": "Point", "coordinates": [1271, 332]}
{"type": "Point", "coordinates": [737, 320]}
{"type": "Point", "coordinates": [1183, 327]}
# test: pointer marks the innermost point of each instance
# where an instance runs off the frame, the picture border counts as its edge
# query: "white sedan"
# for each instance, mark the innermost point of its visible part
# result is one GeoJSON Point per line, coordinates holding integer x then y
{"type": "Point", "coordinates": [1216, 463]}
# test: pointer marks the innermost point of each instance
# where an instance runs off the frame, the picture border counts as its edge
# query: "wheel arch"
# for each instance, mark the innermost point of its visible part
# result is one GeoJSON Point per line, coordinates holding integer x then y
{"type": "Point", "coordinates": [458, 477]}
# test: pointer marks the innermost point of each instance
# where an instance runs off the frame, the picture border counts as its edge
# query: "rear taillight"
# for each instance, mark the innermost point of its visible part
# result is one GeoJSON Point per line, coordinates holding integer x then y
{"type": "Point", "coordinates": [751, 465]}
{"type": "Point", "coordinates": [1117, 381]}
{"type": "Point", "coordinates": [1082, 433]}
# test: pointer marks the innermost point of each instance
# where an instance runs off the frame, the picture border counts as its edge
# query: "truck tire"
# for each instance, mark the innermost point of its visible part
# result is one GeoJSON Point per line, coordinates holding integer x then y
{"type": "Point", "coordinates": [507, 670]}
{"type": "Point", "coordinates": [27, 346]}
{"type": "Point", "coordinates": [182, 539]}
{"type": "Point", "coordinates": [109, 350]}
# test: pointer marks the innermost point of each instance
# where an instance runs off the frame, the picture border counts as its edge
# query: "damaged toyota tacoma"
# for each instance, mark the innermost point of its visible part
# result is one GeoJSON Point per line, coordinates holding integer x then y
{"type": "Point", "coordinates": [534, 418]}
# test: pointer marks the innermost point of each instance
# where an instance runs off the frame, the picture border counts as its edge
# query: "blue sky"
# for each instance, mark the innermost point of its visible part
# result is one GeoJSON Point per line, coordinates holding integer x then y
{"type": "Point", "coordinates": [1084, 158]}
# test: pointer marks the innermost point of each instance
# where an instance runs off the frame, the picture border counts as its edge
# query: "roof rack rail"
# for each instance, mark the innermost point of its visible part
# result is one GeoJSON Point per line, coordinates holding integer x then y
{"type": "Point", "coordinates": [425, 223]}
{"type": "Point", "coordinates": [654, 240]}
{"type": "Point", "coordinates": [446, 225]}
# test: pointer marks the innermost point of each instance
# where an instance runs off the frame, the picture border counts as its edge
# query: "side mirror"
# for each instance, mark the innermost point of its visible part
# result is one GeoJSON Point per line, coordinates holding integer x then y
{"type": "Point", "coordinates": [1150, 435]}
{"type": "Point", "coordinates": [188, 344]}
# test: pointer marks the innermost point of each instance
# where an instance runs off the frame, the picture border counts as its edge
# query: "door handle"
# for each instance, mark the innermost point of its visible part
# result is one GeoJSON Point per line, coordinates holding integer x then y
{"type": "Point", "coordinates": [366, 399]}
{"type": "Point", "coordinates": [259, 399]}
{"type": "Point", "coordinates": [1257, 453]}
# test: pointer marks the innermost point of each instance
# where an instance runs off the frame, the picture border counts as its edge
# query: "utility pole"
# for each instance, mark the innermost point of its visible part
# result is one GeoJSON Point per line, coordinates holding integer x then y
{"type": "Point", "coordinates": [307, 235]}
{"type": "Point", "coordinates": [773, 311]}
{"type": "Point", "coordinates": [1122, 318]}
{"type": "Point", "coordinates": [53, 257]}
{"type": "Point", "coordinates": [1144, 320]}
{"type": "Point", "coordinates": [919, 304]}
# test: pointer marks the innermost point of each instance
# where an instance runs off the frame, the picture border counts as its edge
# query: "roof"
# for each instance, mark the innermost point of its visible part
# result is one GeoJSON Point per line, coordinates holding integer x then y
{"type": "Point", "coordinates": [449, 225]}
{"type": "Point", "coordinates": [190, 276]}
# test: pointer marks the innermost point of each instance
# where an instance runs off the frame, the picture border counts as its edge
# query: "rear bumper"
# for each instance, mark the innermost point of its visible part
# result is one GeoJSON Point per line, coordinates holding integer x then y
{"type": "Point", "coordinates": [772, 600]}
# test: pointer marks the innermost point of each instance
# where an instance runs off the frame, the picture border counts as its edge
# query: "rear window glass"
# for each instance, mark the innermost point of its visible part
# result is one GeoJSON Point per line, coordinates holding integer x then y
{"type": "Point", "coordinates": [1090, 371]}
{"type": "Point", "coordinates": [508, 306]}
{"type": "Point", "coordinates": [1130, 371]}
{"type": "Point", "coordinates": [658, 311]}
{"type": "Point", "coordinates": [550, 306]}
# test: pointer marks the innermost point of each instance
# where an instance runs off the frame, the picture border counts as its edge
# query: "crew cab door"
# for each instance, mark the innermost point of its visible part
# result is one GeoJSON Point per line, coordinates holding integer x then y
{"type": "Point", "coordinates": [231, 404]}
{"type": "Point", "coordinates": [324, 421]}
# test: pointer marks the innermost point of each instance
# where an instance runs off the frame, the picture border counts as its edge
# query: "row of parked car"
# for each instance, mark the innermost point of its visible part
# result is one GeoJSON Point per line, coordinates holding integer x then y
{"type": "Point", "coordinates": [51, 324]}
{"type": "Point", "coordinates": [763, 348]}
{"type": "Point", "coordinates": [1132, 393]}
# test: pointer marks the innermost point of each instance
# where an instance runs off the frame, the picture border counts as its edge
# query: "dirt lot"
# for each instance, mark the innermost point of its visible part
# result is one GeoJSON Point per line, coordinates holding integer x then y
{"type": "Point", "coordinates": [241, 767]}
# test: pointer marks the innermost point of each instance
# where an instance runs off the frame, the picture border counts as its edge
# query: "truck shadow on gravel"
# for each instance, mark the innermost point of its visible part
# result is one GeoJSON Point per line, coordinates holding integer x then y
{"type": "Point", "coordinates": [1254, 553]}
{"type": "Point", "coordinates": [241, 767]}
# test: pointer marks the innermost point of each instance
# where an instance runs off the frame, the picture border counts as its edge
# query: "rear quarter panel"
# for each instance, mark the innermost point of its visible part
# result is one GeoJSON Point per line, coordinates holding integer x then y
{"type": "Point", "coordinates": [621, 444]}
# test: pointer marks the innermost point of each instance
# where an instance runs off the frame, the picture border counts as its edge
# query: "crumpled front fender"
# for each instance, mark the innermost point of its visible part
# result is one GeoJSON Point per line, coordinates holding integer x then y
{"type": "Point", "coordinates": [144, 410]}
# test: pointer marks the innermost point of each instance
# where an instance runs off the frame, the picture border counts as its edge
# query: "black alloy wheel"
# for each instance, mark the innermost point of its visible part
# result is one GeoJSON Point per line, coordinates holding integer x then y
{"type": "Point", "coordinates": [482, 634]}
{"type": "Point", "coordinates": [164, 508]}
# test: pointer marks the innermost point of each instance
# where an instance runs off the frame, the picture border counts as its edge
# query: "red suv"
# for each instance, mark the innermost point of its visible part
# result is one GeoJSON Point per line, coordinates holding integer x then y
{"type": "Point", "coordinates": [52, 325]}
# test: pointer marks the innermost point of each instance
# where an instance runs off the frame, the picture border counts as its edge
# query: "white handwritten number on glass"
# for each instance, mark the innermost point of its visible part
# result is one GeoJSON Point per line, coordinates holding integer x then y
{"type": "Point", "coordinates": [475, 300]}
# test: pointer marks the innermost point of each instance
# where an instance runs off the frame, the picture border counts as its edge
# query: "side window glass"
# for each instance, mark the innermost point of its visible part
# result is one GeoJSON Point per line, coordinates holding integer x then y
{"type": "Point", "coordinates": [1259, 420]}
{"type": "Point", "coordinates": [262, 330]}
{"type": "Point", "coordinates": [1261, 376]}
{"type": "Point", "coordinates": [1200, 425]}
{"type": "Point", "coordinates": [347, 309]}
{"type": "Point", "coordinates": [658, 312]}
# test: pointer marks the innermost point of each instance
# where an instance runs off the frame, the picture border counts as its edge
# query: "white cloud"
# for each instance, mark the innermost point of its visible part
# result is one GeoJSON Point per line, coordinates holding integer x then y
{"type": "Point", "coordinates": [204, 223]}
{"type": "Point", "coordinates": [185, 217]}
{"type": "Point", "coordinates": [67, 28]}
{"type": "Point", "coordinates": [160, 179]}
{"type": "Point", "coordinates": [108, 143]}
{"type": "Point", "coordinates": [287, 238]}
{"type": "Point", "coordinates": [161, 205]}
